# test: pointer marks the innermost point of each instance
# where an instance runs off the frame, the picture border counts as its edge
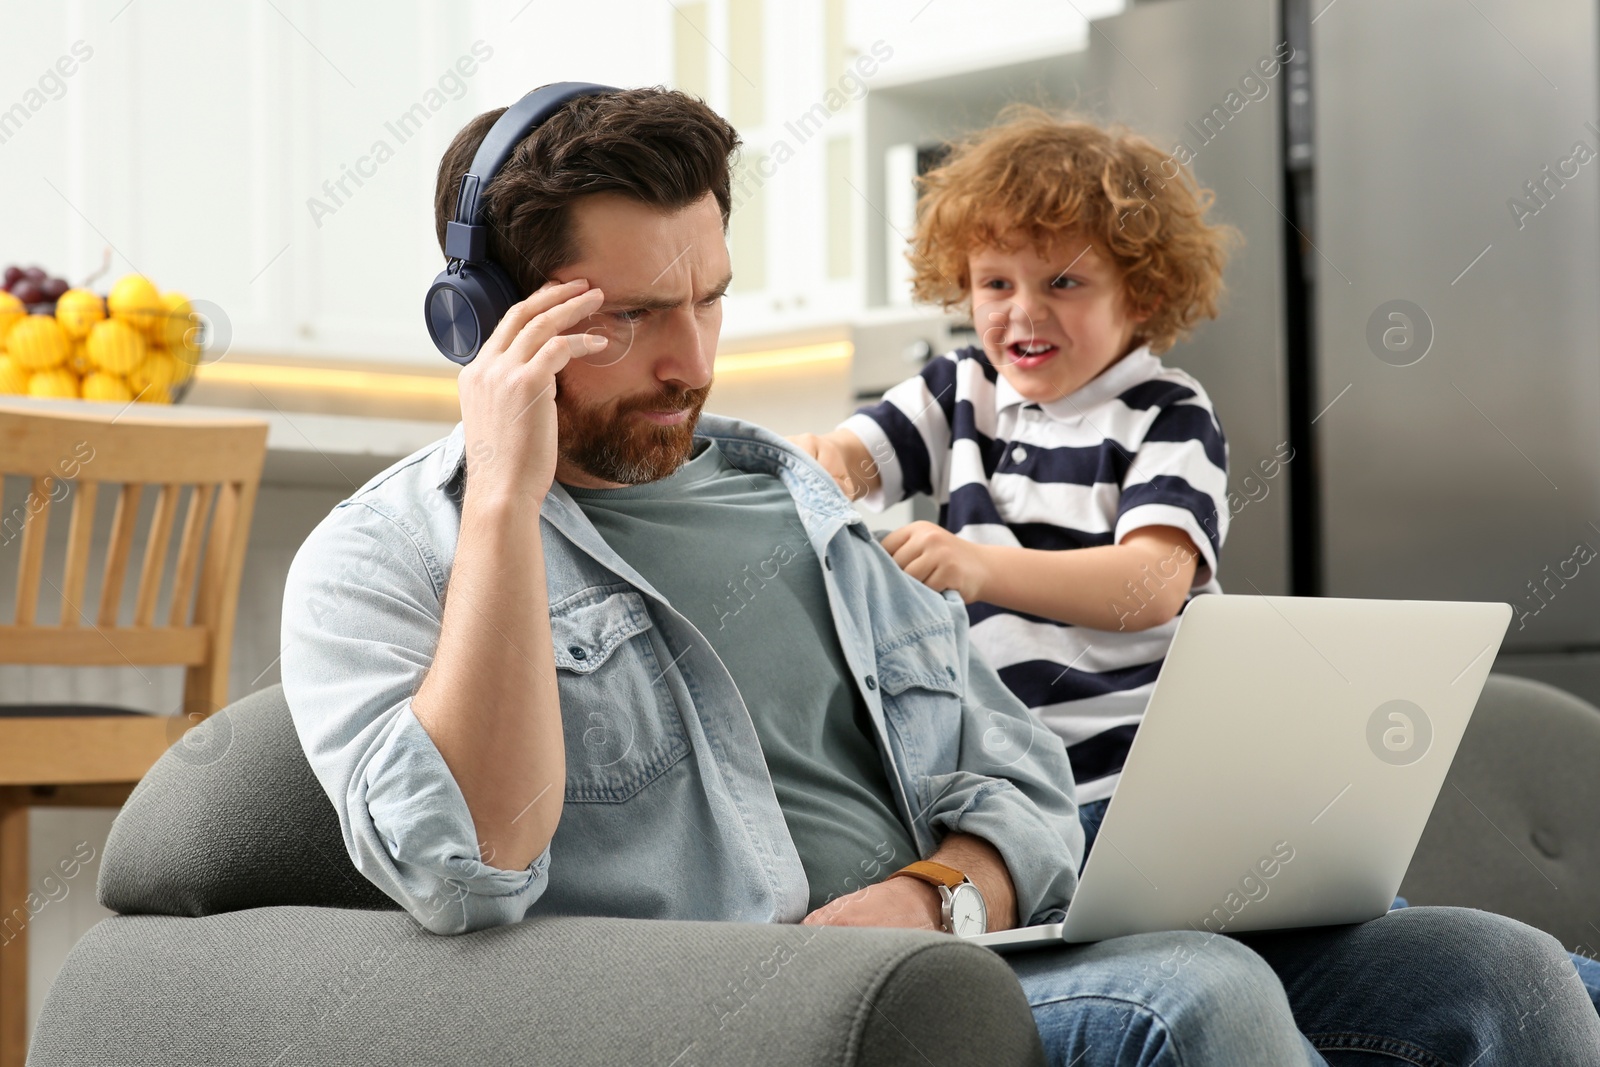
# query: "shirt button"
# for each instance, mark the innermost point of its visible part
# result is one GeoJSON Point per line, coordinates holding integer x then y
{"type": "Point", "coordinates": [577, 652]}
{"type": "Point", "coordinates": [872, 683]}
{"type": "Point", "coordinates": [827, 563]}
{"type": "Point", "coordinates": [1019, 454]}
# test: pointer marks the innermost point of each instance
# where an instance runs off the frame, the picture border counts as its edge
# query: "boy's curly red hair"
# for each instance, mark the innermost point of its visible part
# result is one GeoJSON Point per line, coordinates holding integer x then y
{"type": "Point", "coordinates": [1044, 179]}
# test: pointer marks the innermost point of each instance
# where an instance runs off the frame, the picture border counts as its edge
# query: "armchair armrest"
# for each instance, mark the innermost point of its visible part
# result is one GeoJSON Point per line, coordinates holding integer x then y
{"type": "Point", "coordinates": [313, 985]}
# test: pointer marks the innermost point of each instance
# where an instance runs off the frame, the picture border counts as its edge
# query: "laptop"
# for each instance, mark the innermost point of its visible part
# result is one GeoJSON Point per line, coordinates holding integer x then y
{"type": "Point", "coordinates": [1289, 758]}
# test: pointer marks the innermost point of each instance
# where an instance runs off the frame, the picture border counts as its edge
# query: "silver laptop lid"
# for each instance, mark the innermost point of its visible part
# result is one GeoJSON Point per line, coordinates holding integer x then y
{"type": "Point", "coordinates": [1287, 763]}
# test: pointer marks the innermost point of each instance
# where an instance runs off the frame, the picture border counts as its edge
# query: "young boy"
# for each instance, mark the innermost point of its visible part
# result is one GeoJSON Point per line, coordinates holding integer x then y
{"type": "Point", "coordinates": [1081, 254]}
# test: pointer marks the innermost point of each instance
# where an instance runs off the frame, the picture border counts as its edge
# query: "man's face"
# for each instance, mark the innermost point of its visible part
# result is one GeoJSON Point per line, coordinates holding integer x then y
{"type": "Point", "coordinates": [627, 414]}
{"type": "Point", "coordinates": [1050, 319]}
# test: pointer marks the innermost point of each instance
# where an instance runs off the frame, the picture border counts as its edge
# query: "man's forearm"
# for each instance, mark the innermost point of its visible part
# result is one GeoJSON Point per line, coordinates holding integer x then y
{"type": "Point", "coordinates": [982, 862]}
{"type": "Point", "coordinates": [490, 700]}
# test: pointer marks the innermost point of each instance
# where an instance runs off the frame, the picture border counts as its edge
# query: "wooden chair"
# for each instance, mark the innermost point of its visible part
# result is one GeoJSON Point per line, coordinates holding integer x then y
{"type": "Point", "coordinates": [93, 755]}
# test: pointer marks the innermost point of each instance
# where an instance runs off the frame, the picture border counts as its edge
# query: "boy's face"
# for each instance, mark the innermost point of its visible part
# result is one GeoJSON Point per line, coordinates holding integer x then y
{"type": "Point", "coordinates": [1050, 319]}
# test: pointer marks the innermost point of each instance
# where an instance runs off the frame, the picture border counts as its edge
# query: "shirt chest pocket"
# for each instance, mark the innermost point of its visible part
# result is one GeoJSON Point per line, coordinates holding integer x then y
{"type": "Point", "coordinates": [621, 724]}
{"type": "Point", "coordinates": [922, 697]}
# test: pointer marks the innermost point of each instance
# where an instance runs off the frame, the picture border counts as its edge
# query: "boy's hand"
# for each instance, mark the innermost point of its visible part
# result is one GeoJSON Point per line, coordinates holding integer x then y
{"type": "Point", "coordinates": [831, 452]}
{"type": "Point", "coordinates": [938, 559]}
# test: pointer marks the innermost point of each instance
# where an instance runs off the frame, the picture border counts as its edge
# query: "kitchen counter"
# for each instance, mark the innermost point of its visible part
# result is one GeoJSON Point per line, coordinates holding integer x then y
{"type": "Point", "coordinates": [303, 448]}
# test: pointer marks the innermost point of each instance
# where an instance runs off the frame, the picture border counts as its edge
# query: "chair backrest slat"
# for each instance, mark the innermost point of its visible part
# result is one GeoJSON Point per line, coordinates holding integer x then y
{"type": "Point", "coordinates": [155, 554]}
{"type": "Point", "coordinates": [31, 567]}
{"type": "Point", "coordinates": [215, 567]}
{"type": "Point", "coordinates": [184, 573]}
{"type": "Point", "coordinates": [121, 543]}
{"type": "Point", "coordinates": [79, 535]}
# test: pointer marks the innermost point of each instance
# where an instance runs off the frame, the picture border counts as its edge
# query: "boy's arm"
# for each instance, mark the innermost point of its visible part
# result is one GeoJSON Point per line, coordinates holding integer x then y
{"type": "Point", "coordinates": [896, 448]}
{"type": "Point", "coordinates": [1139, 584]}
{"type": "Point", "coordinates": [1135, 585]}
{"type": "Point", "coordinates": [1171, 519]}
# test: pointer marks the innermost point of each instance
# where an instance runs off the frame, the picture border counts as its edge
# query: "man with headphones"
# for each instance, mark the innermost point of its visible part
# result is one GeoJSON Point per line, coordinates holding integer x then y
{"type": "Point", "coordinates": [596, 652]}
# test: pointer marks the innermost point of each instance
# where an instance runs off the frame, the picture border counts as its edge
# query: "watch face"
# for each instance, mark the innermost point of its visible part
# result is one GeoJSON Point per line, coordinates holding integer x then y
{"type": "Point", "coordinates": [968, 917]}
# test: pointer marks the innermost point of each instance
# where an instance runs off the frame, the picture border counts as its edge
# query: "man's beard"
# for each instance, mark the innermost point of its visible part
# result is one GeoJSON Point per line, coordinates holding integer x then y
{"type": "Point", "coordinates": [605, 441]}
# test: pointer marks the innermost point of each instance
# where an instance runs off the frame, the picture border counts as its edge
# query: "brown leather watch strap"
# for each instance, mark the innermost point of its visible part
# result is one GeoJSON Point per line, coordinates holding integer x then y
{"type": "Point", "coordinates": [932, 873]}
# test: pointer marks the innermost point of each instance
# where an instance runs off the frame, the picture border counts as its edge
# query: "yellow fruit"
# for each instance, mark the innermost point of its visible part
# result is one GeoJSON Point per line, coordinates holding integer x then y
{"type": "Point", "coordinates": [158, 368]}
{"type": "Point", "coordinates": [56, 382]}
{"type": "Point", "coordinates": [38, 343]}
{"type": "Point", "coordinates": [103, 386]}
{"type": "Point", "coordinates": [182, 369]}
{"type": "Point", "coordinates": [77, 310]}
{"type": "Point", "coordinates": [79, 362]}
{"type": "Point", "coordinates": [115, 346]}
{"type": "Point", "coordinates": [178, 331]}
{"type": "Point", "coordinates": [185, 368]}
{"type": "Point", "coordinates": [13, 377]}
{"type": "Point", "coordinates": [12, 311]}
{"type": "Point", "coordinates": [135, 300]}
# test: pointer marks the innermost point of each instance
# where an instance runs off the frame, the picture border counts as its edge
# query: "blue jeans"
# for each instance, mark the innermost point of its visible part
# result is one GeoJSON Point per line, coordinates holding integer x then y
{"type": "Point", "coordinates": [1435, 987]}
{"type": "Point", "coordinates": [1178, 947]}
{"type": "Point", "coordinates": [1090, 816]}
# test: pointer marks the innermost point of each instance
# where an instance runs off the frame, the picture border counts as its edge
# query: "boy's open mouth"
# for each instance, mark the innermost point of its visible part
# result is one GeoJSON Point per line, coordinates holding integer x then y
{"type": "Point", "coordinates": [1027, 354]}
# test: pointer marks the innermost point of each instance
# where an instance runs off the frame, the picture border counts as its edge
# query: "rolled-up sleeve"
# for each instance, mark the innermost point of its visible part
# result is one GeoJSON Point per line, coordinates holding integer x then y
{"type": "Point", "coordinates": [1013, 787]}
{"type": "Point", "coordinates": [361, 618]}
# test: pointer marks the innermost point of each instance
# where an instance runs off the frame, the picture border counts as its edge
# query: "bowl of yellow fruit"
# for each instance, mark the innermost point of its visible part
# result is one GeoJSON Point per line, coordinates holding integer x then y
{"type": "Point", "coordinates": [136, 343]}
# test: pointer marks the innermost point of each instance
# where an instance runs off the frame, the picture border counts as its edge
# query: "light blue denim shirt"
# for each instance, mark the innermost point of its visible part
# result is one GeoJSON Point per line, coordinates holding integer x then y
{"type": "Point", "coordinates": [669, 811]}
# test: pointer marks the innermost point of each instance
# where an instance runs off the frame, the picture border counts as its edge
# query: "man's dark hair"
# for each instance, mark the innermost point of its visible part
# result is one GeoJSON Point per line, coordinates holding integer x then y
{"type": "Point", "coordinates": [657, 145]}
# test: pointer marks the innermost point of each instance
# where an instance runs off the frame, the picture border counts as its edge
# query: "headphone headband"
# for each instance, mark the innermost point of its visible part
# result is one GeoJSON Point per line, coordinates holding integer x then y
{"type": "Point", "coordinates": [465, 235]}
{"type": "Point", "coordinates": [473, 293]}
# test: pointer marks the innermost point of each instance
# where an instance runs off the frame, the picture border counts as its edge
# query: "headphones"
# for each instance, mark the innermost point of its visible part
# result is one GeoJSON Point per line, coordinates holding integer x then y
{"type": "Point", "coordinates": [472, 294]}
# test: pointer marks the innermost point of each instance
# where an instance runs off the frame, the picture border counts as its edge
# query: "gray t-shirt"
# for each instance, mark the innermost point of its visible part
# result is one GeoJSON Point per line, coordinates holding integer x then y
{"type": "Point", "coordinates": [727, 549]}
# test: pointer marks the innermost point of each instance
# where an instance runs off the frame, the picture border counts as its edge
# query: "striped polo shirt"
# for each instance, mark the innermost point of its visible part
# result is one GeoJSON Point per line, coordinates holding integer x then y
{"type": "Point", "coordinates": [1139, 445]}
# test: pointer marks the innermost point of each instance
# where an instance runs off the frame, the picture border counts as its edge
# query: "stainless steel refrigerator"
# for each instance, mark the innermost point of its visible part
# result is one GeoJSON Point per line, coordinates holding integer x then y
{"type": "Point", "coordinates": [1414, 314]}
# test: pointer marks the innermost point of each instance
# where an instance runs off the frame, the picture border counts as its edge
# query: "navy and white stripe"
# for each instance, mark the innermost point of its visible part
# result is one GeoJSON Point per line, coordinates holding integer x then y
{"type": "Point", "coordinates": [1137, 446]}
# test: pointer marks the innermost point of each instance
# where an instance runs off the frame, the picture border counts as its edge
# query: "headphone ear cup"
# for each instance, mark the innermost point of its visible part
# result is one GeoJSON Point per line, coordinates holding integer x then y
{"type": "Point", "coordinates": [463, 307]}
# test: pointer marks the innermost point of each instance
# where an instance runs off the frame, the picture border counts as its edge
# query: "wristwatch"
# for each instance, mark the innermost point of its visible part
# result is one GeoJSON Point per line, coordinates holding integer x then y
{"type": "Point", "coordinates": [962, 910]}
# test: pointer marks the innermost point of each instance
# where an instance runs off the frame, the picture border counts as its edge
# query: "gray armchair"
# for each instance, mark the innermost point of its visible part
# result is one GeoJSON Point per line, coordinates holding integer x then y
{"type": "Point", "coordinates": [245, 936]}
{"type": "Point", "coordinates": [1516, 828]}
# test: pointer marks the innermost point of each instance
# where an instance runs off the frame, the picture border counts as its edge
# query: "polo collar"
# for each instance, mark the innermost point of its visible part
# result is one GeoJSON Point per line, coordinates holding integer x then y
{"type": "Point", "coordinates": [1135, 367]}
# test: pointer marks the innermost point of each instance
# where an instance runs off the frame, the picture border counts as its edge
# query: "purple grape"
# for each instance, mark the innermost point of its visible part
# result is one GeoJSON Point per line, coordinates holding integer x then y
{"type": "Point", "coordinates": [13, 276]}
{"type": "Point", "coordinates": [27, 290]}
{"type": "Point", "coordinates": [36, 273]}
{"type": "Point", "coordinates": [54, 287]}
